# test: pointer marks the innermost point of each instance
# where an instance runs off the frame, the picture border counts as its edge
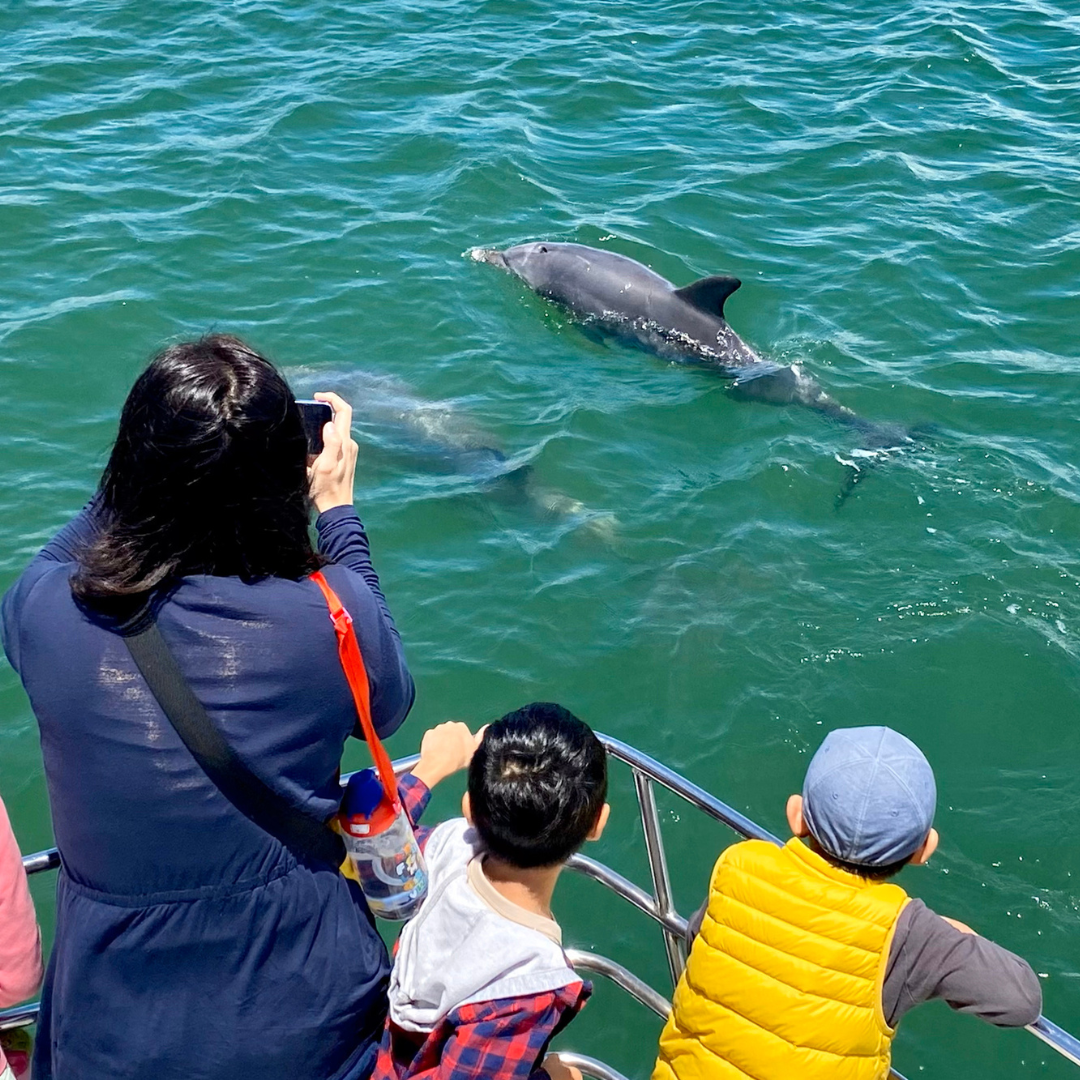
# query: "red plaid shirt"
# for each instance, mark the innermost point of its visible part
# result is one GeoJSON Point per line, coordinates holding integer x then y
{"type": "Point", "coordinates": [415, 796]}
{"type": "Point", "coordinates": [504, 1039]}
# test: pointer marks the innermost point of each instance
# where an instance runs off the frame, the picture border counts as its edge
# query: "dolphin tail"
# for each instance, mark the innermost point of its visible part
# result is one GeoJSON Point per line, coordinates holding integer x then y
{"type": "Point", "coordinates": [776, 384]}
{"type": "Point", "coordinates": [859, 466]}
{"type": "Point", "coordinates": [518, 487]}
{"type": "Point", "coordinates": [555, 506]}
{"type": "Point", "coordinates": [518, 482]}
{"type": "Point", "coordinates": [855, 475]}
{"type": "Point", "coordinates": [509, 486]}
{"type": "Point", "coordinates": [879, 442]}
{"type": "Point", "coordinates": [879, 435]}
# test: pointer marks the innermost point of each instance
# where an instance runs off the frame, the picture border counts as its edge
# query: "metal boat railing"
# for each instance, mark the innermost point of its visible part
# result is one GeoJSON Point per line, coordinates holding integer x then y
{"type": "Point", "coordinates": [658, 904]}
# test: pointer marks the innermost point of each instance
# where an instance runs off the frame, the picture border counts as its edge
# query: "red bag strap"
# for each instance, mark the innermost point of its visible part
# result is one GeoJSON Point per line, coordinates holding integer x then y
{"type": "Point", "coordinates": [353, 665]}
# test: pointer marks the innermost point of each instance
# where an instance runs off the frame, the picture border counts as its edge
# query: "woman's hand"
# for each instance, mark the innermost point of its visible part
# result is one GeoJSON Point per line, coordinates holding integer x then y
{"type": "Point", "coordinates": [332, 473]}
{"type": "Point", "coordinates": [444, 750]}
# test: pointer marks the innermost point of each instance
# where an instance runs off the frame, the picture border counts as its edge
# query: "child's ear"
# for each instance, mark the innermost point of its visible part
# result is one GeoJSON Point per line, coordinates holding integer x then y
{"type": "Point", "coordinates": [795, 819]}
{"type": "Point", "coordinates": [926, 849]}
{"type": "Point", "coordinates": [601, 820]}
{"type": "Point", "coordinates": [466, 808]}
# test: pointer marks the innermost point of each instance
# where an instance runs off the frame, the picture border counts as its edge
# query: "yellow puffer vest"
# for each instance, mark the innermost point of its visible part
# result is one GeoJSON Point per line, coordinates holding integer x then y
{"type": "Point", "coordinates": [784, 981]}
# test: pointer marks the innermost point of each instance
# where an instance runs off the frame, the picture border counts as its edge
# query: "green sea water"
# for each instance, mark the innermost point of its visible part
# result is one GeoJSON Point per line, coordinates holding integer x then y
{"type": "Point", "coordinates": [896, 183]}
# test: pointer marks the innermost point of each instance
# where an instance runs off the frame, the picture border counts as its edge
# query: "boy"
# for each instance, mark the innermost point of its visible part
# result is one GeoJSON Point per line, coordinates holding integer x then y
{"type": "Point", "coordinates": [480, 983]}
{"type": "Point", "coordinates": [806, 957]}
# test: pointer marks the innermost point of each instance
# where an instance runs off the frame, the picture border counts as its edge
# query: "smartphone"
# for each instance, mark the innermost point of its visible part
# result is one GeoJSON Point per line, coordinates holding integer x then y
{"type": "Point", "coordinates": [314, 415]}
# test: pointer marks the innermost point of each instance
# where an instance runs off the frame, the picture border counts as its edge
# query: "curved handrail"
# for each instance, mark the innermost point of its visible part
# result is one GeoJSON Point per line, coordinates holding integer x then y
{"type": "Point", "coordinates": [19, 1016]}
{"type": "Point", "coordinates": [637, 988]}
{"type": "Point", "coordinates": [688, 790]}
{"type": "Point", "coordinates": [49, 859]}
{"type": "Point", "coordinates": [1067, 1045]}
{"type": "Point", "coordinates": [625, 888]}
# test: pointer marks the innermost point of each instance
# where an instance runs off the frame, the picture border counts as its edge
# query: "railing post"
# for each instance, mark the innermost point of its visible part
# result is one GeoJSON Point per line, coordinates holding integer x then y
{"type": "Point", "coordinates": [654, 848]}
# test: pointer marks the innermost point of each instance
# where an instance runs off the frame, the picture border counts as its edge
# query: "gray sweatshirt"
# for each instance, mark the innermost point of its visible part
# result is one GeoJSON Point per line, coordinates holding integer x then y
{"type": "Point", "coordinates": [467, 943]}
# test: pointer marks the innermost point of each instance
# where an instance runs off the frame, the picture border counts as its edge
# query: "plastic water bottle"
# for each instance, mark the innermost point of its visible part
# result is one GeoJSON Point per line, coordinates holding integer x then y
{"type": "Point", "coordinates": [380, 841]}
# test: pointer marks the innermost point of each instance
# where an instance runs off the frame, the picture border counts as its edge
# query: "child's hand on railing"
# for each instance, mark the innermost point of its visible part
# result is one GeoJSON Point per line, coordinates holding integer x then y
{"type": "Point", "coordinates": [554, 1067]}
{"type": "Point", "coordinates": [958, 925]}
{"type": "Point", "coordinates": [445, 750]}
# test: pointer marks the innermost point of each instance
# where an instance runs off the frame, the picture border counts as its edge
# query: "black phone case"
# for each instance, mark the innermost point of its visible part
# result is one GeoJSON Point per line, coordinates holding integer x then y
{"type": "Point", "coordinates": [314, 415]}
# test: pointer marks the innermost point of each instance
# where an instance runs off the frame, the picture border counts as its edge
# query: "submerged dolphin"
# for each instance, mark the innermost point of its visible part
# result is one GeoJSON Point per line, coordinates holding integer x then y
{"type": "Point", "coordinates": [623, 297]}
{"type": "Point", "coordinates": [425, 436]}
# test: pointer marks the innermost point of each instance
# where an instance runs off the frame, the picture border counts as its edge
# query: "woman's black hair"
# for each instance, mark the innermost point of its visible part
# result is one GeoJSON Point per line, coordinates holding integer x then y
{"type": "Point", "coordinates": [208, 475]}
{"type": "Point", "coordinates": [537, 783]}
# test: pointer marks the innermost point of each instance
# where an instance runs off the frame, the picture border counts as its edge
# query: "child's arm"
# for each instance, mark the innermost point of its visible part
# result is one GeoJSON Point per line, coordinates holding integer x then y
{"type": "Point", "coordinates": [932, 957]}
{"type": "Point", "coordinates": [444, 750]}
{"type": "Point", "coordinates": [415, 796]}
{"type": "Point", "coordinates": [20, 942]}
{"type": "Point", "coordinates": [693, 924]}
{"type": "Point", "coordinates": [557, 1070]}
{"type": "Point", "coordinates": [506, 1039]}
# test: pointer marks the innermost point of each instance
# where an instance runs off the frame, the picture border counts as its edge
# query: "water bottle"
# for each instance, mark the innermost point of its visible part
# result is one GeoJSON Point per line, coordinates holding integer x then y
{"type": "Point", "coordinates": [383, 848]}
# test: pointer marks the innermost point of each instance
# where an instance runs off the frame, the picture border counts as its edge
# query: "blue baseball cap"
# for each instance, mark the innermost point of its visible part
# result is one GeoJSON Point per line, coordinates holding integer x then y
{"type": "Point", "coordinates": [869, 796]}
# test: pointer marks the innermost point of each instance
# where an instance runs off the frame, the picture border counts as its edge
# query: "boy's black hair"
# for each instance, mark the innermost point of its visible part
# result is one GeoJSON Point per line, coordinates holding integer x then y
{"type": "Point", "coordinates": [874, 873]}
{"type": "Point", "coordinates": [537, 784]}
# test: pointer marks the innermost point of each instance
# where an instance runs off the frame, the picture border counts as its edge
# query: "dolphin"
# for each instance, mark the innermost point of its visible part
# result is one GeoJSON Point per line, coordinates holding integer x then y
{"type": "Point", "coordinates": [621, 296]}
{"type": "Point", "coordinates": [426, 436]}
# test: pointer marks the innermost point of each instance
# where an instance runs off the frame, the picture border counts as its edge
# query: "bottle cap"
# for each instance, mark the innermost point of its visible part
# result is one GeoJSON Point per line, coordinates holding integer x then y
{"type": "Point", "coordinates": [365, 810]}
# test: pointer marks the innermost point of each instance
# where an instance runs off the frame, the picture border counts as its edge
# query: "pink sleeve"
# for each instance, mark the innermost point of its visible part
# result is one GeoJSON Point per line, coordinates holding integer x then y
{"type": "Point", "coordinates": [20, 940]}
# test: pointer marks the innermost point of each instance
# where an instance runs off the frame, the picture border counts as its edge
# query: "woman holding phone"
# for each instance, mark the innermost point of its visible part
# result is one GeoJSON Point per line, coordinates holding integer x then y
{"type": "Point", "coordinates": [189, 941]}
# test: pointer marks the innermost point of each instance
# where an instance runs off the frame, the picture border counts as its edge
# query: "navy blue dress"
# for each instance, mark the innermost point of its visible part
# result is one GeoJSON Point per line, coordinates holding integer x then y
{"type": "Point", "coordinates": [190, 944]}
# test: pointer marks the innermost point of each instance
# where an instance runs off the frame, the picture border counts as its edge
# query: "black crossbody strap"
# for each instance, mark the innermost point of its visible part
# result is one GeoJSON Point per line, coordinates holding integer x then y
{"type": "Point", "coordinates": [300, 833]}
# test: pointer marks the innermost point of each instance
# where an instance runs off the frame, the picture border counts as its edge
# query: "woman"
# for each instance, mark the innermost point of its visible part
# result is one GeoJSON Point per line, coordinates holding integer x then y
{"type": "Point", "coordinates": [189, 942]}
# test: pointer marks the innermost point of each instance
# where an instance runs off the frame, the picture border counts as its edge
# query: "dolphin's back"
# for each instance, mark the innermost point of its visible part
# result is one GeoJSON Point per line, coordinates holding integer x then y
{"type": "Point", "coordinates": [600, 283]}
{"type": "Point", "coordinates": [628, 298]}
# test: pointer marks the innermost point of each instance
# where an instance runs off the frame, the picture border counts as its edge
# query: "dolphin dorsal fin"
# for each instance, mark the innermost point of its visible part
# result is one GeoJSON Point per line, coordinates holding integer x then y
{"type": "Point", "coordinates": [709, 293]}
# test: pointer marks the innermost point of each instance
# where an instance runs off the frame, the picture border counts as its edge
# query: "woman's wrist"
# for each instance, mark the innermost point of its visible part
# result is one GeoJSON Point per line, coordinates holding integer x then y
{"type": "Point", "coordinates": [324, 502]}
